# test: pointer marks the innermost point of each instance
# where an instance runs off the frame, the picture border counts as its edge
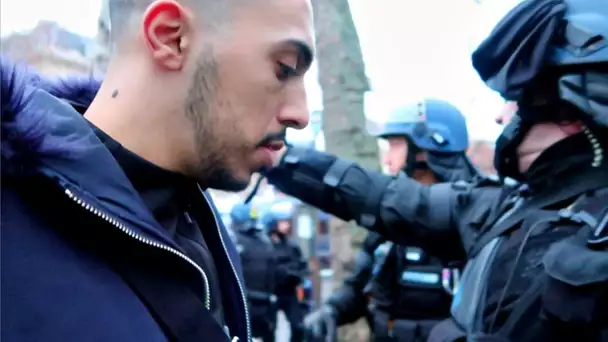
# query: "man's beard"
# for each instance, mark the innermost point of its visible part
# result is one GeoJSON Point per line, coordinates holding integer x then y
{"type": "Point", "coordinates": [210, 169]}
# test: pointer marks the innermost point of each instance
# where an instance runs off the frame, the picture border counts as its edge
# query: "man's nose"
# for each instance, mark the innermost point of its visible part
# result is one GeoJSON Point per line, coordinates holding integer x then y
{"type": "Point", "coordinates": [386, 159]}
{"type": "Point", "coordinates": [508, 110]}
{"type": "Point", "coordinates": [294, 113]}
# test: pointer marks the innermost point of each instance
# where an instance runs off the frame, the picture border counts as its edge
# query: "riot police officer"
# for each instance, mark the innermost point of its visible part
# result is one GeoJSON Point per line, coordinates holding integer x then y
{"type": "Point", "coordinates": [410, 289]}
{"type": "Point", "coordinates": [278, 222]}
{"type": "Point", "coordinates": [259, 270]}
{"type": "Point", "coordinates": [550, 58]}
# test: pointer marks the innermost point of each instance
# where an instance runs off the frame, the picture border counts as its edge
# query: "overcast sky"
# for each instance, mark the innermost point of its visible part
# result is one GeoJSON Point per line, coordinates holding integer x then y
{"type": "Point", "coordinates": [412, 48]}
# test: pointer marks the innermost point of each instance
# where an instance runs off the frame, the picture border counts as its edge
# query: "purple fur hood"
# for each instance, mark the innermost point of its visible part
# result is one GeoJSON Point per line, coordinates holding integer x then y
{"type": "Point", "coordinates": [25, 124]}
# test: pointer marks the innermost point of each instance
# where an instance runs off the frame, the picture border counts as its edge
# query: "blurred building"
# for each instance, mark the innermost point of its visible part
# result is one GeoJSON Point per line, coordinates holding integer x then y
{"type": "Point", "coordinates": [53, 50]}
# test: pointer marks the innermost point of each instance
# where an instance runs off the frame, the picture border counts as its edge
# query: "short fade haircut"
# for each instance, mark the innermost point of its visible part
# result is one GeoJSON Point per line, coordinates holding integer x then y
{"type": "Point", "coordinates": [122, 13]}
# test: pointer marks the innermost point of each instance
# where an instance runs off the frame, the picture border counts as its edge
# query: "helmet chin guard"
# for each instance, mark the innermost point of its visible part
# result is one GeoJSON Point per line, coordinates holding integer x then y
{"type": "Point", "coordinates": [505, 156]}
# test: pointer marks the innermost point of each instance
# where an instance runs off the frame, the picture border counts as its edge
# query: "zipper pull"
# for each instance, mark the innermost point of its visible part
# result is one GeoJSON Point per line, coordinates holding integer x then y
{"type": "Point", "coordinates": [188, 218]}
{"type": "Point", "coordinates": [227, 332]}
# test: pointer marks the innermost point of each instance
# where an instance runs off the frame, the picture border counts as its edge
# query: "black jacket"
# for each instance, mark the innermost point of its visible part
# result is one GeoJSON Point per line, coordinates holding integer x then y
{"type": "Point", "coordinates": [291, 264]}
{"type": "Point", "coordinates": [407, 212]}
{"type": "Point", "coordinates": [260, 270]}
{"type": "Point", "coordinates": [83, 259]}
{"type": "Point", "coordinates": [399, 208]}
{"type": "Point", "coordinates": [349, 301]}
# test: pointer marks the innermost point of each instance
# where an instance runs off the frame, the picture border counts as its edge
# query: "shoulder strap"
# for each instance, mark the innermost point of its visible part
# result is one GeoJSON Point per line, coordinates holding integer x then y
{"type": "Point", "coordinates": [523, 314]}
{"type": "Point", "coordinates": [440, 196]}
{"type": "Point", "coordinates": [590, 210]}
{"type": "Point", "coordinates": [597, 210]}
{"type": "Point", "coordinates": [578, 186]}
{"type": "Point", "coordinates": [599, 236]}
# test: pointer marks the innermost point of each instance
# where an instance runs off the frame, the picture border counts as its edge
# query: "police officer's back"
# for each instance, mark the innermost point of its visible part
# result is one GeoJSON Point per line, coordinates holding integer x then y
{"type": "Point", "coordinates": [278, 222]}
{"type": "Point", "coordinates": [259, 270]}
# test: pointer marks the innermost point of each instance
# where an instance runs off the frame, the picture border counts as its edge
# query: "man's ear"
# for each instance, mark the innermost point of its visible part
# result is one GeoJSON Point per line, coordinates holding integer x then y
{"type": "Point", "coordinates": [167, 29]}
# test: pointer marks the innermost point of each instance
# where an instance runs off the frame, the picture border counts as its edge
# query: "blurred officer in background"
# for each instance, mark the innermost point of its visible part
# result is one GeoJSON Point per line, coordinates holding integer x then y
{"type": "Point", "coordinates": [278, 222]}
{"type": "Point", "coordinates": [259, 270]}
{"type": "Point", "coordinates": [407, 289]}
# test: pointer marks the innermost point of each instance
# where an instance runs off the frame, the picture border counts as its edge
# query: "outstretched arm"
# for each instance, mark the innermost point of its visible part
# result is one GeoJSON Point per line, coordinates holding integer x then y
{"type": "Point", "coordinates": [399, 208]}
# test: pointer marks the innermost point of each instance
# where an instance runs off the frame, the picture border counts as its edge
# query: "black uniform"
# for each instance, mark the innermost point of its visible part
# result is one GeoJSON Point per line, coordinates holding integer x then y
{"type": "Point", "coordinates": [349, 302]}
{"type": "Point", "coordinates": [492, 221]}
{"type": "Point", "coordinates": [402, 295]}
{"type": "Point", "coordinates": [261, 275]}
{"type": "Point", "coordinates": [169, 195]}
{"type": "Point", "coordinates": [409, 295]}
{"type": "Point", "coordinates": [403, 291]}
{"type": "Point", "coordinates": [290, 261]}
{"type": "Point", "coordinates": [573, 291]}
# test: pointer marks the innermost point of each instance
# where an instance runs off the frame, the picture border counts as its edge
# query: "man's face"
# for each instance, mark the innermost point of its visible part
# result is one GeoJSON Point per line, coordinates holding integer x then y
{"type": "Point", "coordinates": [396, 158]}
{"type": "Point", "coordinates": [245, 86]}
{"type": "Point", "coordinates": [284, 227]}
{"type": "Point", "coordinates": [396, 155]}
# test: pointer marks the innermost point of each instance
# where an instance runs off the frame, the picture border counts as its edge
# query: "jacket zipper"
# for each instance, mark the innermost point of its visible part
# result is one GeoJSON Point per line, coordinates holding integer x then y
{"type": "Point", "coordinates": [236, 276]}
{"type": "Point", "coordinates": [109, 219]}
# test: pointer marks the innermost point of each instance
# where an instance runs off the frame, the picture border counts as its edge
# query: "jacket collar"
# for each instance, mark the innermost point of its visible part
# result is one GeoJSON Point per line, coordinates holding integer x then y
{"type": "Point", "coordinates": [43, 134]}
{"type": "Point", "coordinates": [90, 172]}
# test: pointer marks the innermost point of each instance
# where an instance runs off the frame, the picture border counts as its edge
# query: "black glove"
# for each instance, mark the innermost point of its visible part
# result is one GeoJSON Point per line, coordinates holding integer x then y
{"type": "Point", "coordinates": [321, 325]}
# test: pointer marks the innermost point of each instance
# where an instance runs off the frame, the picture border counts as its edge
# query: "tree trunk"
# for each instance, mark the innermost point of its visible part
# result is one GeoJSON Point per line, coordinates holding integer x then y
{"type": "Point", "coordinates": [344, 83]}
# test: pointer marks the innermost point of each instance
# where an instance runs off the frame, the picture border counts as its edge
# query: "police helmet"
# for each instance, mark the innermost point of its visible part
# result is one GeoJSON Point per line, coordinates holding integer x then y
{"type": "Point", "coordinates": [243, 215]}
{"type": "Point", "coordinates": [265, 221]}
{"type": "Point", "coordinates": [581, 59]}
{"type": "Point", "coordinates": [584, 34]}
{"type": "Point", "coordinates": [280, 211]}
{"type": "Point", "coordinates": [434, 126]}
{"type": "Point", "coordinates": [430, 124]}
{"type": "Point", "coordinates": [552, 58]}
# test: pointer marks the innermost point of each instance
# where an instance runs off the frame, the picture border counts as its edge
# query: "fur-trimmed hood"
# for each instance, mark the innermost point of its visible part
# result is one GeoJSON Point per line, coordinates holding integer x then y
{"type": "Point", "coordinates": [25, 124]}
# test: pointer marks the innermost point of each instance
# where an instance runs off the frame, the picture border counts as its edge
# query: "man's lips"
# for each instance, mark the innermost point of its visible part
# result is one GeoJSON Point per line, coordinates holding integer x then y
{"type": "Point", "coordinates": [274, 145]}
{"type": "Point", "coordinates": [270, 152]}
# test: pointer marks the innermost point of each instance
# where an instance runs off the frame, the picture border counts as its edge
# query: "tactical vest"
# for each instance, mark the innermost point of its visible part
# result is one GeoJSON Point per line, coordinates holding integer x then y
{"type": "Point", "coordinates": [575, 275]}
{"type": "Point", "coordinates": [572, 293]}
{"type": "Point", "coordinates": [415, 291]}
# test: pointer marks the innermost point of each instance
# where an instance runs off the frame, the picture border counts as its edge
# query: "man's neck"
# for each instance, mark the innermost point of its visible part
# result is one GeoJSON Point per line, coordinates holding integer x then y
{"type": "Point", "coordinates": [120, 120]}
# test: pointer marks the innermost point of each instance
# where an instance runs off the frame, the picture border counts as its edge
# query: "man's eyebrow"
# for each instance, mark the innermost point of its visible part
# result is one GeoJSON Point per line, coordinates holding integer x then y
{"type": "Point", "coordinates": [305, 54]}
